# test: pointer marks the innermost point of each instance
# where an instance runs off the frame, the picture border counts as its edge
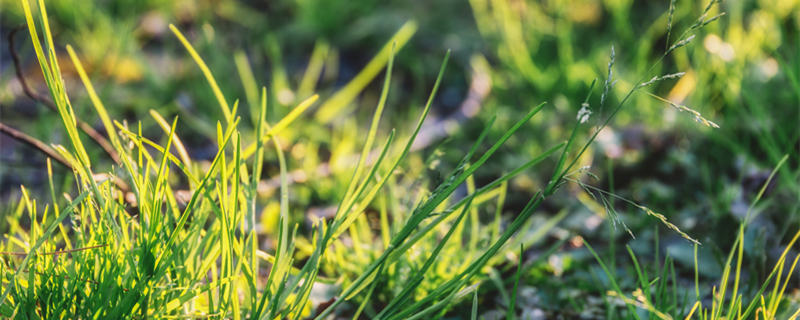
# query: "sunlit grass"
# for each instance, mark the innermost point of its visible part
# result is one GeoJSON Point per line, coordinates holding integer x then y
{"type": "Point", "coordinates": [151, 250]}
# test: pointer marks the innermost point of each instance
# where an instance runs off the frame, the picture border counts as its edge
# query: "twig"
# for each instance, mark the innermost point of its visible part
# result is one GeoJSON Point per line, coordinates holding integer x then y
{"type": "Point", "coordinates": [33, 142]}
{"type": "Point", "coordinates": [85, 127]}
{"type": "Point", "coordinates": [21, 77]}
{"type": "Point", "coordinates": [48, 151]}
{"type": "Point", "coordinates": [54, 252]}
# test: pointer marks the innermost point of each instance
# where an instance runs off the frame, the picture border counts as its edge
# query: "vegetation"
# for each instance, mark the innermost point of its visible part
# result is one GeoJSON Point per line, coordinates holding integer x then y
{"type": "Point", "coordinates": [565, 159]}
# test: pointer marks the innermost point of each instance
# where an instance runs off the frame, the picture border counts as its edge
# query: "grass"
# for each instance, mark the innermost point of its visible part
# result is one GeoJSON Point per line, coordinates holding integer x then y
{"type": "Point", "coordinates": [653, 297]}
{"type": "Point", "coordinates": [162, 234]}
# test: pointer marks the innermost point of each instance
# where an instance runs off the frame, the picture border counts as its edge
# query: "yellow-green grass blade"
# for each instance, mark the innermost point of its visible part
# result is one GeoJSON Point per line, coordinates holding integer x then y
{"type": "Point", "coordinates": [334, 106]}
{"type": "Point", "coordinates": [96, 102]}
{"type": "Point", "coordinates": [54, 83]}
{"type": "Point", "coordinates": [257, 168]}
{"type": "Point", "coordinates": [184, 155]}
{"type": "Point", "coordinates": [349, 197]}
{"type": "Point", "coordinates": [141, 141]}
{"type": "Point", "coordinates": [161, 180]}
{"type": "Point", "coordinates": [226, 110]}
{"type": "Point", "coordinates": [406, 149]}
{"type": "Point", "coordinates": [313, 70]}
{"type": "Point", "coordinates": [419, 275]}
{"type": "Point", "coordinates": [248, 83]}
{"type": "Point", "coordinates": [280, 126]}
{"type": "Point", "coordinates": [40, 241]}
{"type": "Point", "coordinates": [195, 195]}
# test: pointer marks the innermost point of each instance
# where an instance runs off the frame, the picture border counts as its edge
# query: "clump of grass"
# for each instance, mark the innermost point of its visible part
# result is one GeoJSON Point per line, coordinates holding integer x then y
{"type": "Point", "coordinates": [201, 258]}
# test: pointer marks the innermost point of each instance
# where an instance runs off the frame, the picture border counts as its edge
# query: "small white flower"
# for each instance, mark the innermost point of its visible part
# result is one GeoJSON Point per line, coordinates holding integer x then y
{"type": "Point", "coordinates": [584, 113]}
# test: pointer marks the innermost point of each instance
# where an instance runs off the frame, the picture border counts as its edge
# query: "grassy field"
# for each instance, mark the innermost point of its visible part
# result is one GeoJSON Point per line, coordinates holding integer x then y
{"type": "Point", "coordinates": [480, 159]}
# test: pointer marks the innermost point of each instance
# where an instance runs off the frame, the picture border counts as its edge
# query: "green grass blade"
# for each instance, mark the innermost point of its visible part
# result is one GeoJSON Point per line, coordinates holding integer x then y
{"type": "Point", "coordinates": [223, 104]}
{"type": "Point", "coordinates": [334, 106]}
